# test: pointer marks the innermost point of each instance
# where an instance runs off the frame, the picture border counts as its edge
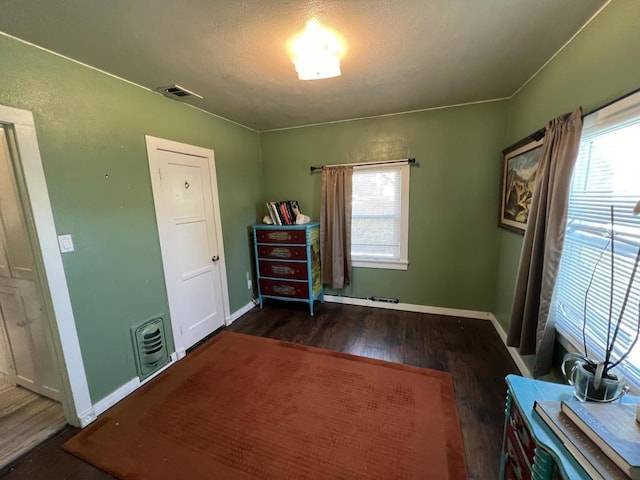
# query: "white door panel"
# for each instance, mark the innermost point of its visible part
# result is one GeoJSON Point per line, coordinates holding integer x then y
{"type": "Point", "coordinates": [18, 256]}
{"type": "Point", "coordinates": [195, 236]}
{"type": "Point", "coordinates": [21, 302]}
{"type": "Point", "coordinates": [186, 208]}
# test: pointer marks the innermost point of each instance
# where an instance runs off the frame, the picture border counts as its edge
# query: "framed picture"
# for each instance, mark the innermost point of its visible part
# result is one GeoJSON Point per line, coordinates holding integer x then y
{"type": "Point", "coordinates": [519, 168]}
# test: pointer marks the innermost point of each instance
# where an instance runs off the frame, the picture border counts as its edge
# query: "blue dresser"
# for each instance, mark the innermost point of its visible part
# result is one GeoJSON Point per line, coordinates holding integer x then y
{"type": "Point", "coordinates": [530, 450]}
{"type": "Point", "coordinates": [288, 262]}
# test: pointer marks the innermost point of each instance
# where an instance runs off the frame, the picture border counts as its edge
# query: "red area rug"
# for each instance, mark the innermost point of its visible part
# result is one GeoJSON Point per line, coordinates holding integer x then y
{"type": "Point", "coordinates": [244, 407]}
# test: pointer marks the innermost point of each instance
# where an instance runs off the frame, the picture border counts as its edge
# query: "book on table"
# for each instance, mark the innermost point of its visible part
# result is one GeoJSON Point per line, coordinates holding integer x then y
{"type": "Point", "coordinates": [590, 457]}
{"type": "Point", "coordinates": [611, 426]}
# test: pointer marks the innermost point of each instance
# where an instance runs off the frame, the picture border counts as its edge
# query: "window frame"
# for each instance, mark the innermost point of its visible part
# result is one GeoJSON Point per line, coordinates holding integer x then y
{"type": "Point", "coordinates": [402, 263]}
{"type": "Point", "coordinates": [624, 112]}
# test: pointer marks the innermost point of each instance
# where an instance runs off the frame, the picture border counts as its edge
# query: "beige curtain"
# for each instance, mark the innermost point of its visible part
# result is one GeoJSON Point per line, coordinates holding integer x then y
{"type": "Point", "coordinates": [530, 327]}
{"type": "Point", "coordinates": [335, 226]}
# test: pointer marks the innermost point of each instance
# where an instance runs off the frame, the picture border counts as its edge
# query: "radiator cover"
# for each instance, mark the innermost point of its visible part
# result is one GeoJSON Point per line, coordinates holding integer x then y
{"type": "Point", "coordinates": [150, 347]}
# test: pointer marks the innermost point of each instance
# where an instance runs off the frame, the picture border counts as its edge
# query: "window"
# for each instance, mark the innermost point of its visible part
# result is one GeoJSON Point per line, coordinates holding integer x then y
{"type": "Point", "coordinates": [380, 216]}
{"type": "Point", "coordinates": [607, 173]}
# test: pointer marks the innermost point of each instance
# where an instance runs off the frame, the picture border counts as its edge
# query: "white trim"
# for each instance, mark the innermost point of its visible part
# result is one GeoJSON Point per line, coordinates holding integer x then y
{"type": "Point", "coordinates": [76, 398]}
{"type": "Point", "coordinates": [561, 48]}
{"type": "Point", "coordinates": [429, 109]}
{"type": "Point", "coordinates": [240, 312]}
{"type": "Point", "coordinates": [450, 312]}
{"type": "Point", "coordinates": [524, 371]}
{"type": "Point", "coordinates": [402, 261]}
{"type": "Point", "coordinates": [153, 145]}
{"type": "Point", "coordinates": [389, 265]}
{"type": "Point", "coordinates": [408, 307]}
{"type": "Point", "coordinates": [52, 52]}
{"type": "Point", "coordinates": [114, 397]}
{"type": "Point", "coordinates": [127, 389]}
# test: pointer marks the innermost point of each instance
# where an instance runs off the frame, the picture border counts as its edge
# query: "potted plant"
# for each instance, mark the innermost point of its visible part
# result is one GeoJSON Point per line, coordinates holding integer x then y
{"type": "Point", "coordinates": [595, 380]}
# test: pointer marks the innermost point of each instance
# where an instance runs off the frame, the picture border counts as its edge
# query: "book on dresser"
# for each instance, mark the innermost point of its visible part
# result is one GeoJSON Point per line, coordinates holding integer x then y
{"type": "Point", "coordinates": [284, 212]}
{"type": "Point", "coordinates": [590, 457]}
{"type": "Point", "coordinates": [611, 426]}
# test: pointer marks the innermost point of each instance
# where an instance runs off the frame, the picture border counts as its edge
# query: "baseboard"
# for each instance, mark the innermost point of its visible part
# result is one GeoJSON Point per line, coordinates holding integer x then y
{"type": "Point", "coordinates": [132, 385]}
{"type": "Point", "coordinates": [408, 307]}
{"type": "Point", "coordinates": [240, 312]}
{"type": "Point", "coordinates": [123, 391]}
{"type": "Point", "coordinates": [450, 312]}
{"type": "Point", "coordinates": [517, 359]}
{"type": "Point", "coordinates": [114, 397]}
{"type": "Point", "coordinates": [85, 418]}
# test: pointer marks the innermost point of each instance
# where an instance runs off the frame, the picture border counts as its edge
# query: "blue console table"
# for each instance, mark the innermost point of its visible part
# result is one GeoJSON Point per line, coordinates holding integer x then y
{"type": "Point", "coordinates": [530, 450]}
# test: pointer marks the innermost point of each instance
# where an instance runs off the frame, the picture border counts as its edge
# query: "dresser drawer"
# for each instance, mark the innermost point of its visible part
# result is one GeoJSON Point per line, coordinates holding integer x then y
{"type": "Point", "coordinates": [282, 252]}
{"type": "Point", "coordinates": [271, 268]}
{"type": "Point", "coordinates": [516, 467]}
{"type": "Point", "coordinates": [521, 431]}
{"type": "Point", "coordinates": [282, 236]}
{"type": "Point", "coordinates": [283, 288]}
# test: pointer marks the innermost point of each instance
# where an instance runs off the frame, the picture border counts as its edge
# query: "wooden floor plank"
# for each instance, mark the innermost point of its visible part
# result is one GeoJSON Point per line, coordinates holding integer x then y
{"type": "Point", "coordinates": [468, 349]}
{"type": "Point", "coordinates": [26, 420]}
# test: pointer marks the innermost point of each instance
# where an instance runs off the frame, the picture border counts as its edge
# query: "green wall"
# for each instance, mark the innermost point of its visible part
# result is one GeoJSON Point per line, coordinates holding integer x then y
{"type": "Point", "coordinates": [91, 126]}
{"type": "Point", "coordinates": [599, 65]}
{"type": "Point", "coordinates": [453, 196]}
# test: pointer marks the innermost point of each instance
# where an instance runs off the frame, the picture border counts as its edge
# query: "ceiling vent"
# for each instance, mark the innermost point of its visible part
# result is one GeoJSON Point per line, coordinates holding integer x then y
{"type": "Point", "coordinates": [177, 92]}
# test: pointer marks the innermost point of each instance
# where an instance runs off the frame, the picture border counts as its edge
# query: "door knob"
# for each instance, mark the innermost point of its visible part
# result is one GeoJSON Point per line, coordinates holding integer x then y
{"type": "Point", "coordinates": [215, 258]}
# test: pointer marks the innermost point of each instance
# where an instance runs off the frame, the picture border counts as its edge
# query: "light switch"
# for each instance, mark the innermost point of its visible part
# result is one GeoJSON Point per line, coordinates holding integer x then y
{"type": "Point", "coordinates": [66, 243]}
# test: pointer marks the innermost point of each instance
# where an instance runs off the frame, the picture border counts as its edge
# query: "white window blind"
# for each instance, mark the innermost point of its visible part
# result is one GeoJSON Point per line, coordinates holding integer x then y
{"type": "Point", "coordinates": [380, 210]}
{"type": "Point", "coordinates": [607, 174]}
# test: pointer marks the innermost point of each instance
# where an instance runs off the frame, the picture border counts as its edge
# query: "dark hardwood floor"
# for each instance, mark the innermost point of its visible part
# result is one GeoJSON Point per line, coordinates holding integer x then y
{"type": "Point", "coordinates": [468, 349]}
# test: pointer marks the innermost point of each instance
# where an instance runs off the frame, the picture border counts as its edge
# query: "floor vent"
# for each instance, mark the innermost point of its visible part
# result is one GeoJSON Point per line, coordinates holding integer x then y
{"type": "Point", "coordinates": [150, 347]}
{"type": "Point", "coordinates": [177, 92]}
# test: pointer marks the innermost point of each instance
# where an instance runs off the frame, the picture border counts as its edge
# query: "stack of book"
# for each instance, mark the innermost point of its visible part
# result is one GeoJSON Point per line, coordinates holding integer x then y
{"type": "Point", "coordinates": [284, 213]}
{"type": "Point", "coordinates": [603, 438]}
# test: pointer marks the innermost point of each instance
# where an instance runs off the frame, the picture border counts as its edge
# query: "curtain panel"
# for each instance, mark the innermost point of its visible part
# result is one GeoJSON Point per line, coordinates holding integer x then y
{"type": "Point", "coordinates": [531, 329]}
{"type": "Point", "coordinates": [335, 226]}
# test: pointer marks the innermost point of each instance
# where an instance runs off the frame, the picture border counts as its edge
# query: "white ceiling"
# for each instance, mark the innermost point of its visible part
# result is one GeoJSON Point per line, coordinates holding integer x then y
{"type": "Point", "coordinates": [402, 55]}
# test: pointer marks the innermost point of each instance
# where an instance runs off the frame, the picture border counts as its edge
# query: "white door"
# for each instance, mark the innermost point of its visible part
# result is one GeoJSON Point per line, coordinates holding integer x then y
{"type": "Point", "coordinates": [188, 217]}
{"type": "Point", "coordinates": [28, 341]}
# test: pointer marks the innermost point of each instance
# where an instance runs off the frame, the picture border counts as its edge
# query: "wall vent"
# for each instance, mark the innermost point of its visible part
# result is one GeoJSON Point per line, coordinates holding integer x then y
{"type": "Point", "coordinates": [150, 347]}
{"type": "Point", "coordinates": [177, 92]}
{"type": "Point", "coordinates": [384, 299]}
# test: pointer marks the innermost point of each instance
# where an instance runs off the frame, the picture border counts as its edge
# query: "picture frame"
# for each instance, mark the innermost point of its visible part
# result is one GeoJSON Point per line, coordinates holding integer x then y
{"type": "Point", "coordinates": [519, 167]}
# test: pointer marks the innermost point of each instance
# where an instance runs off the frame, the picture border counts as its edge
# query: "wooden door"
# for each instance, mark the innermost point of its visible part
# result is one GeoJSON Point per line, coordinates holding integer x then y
{"type": "Point", "coordinates": [192, 257]}
{"type": "Point", "coordinates": [22, 311]}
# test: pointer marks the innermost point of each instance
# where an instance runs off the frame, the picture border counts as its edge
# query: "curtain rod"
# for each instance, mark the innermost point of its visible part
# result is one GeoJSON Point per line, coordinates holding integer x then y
{"type": "Point", "coordinates": [605, 105]}
{"type": "Point", "coordinates": [410, 161]}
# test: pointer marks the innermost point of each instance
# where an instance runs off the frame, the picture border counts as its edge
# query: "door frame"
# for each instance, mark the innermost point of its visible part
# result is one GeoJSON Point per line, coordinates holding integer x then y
{"type": "Point", "coordinates": [52, 280]}
{"type": "Point", "coordinates": [154, 144]}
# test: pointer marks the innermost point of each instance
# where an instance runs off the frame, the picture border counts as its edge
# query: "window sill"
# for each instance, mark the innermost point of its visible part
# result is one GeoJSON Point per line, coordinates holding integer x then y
{"type": "Point", "coordinates": [382, 264]}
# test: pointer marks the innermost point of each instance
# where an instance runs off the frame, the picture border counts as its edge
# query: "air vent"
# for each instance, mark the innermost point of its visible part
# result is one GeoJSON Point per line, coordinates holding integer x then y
{"type": "Point", "coordinates": [150, 347]}
{"type": "Point", "coordinates": [177, 92]}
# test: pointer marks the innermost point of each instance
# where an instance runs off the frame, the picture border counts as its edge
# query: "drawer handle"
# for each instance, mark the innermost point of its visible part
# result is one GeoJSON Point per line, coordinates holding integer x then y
{"type": "Point", "coordinates": [517, 426]}
{"type": "Point", "coordinates": [513, 461]}
{"type": "Point", "coordinates": [281, 252]}
{"type": "Point", "coordinates": [284, 290]}
{"type": "Point", "coordinates": [279, 236]}
{"type": "Point", "coordinates": [282, 270]}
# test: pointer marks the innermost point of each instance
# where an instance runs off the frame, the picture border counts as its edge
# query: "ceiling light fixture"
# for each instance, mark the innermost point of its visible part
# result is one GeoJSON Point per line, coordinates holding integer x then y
{"type": "Point", "coordinates": [316, 52]}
